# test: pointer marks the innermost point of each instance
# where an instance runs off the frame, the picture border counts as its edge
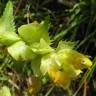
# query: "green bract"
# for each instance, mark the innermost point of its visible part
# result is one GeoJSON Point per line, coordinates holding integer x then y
{"type": "Point", "coordinates": [65, 45]}
{"type": "Point", "coordinates": [33, 32]}
{"type": "Point", "coordinates": [41, 47]}
{"type": "Point", "coordinates": [20, 51]}
{"type": "Point", "coordinates": [9, 38]}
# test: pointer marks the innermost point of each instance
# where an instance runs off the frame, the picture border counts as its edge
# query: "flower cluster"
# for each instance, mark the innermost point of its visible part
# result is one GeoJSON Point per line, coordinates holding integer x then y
{"type": "Point", "coordinates": [33, 43]}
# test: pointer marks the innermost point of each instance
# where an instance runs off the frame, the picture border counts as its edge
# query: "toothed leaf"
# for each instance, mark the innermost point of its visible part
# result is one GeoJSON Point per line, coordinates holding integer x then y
{"type": "Point", "coordinates": [7, 27]}
{"type": "Point", "coordinates": [7, 20]}
{"type": "Point", "coordinates": [65, 45]}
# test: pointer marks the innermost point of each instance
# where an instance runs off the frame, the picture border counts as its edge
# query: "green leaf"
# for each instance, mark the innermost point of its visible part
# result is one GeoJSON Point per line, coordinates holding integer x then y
{"type": "Point", "coordinates": [9, 38]}
{"type": "Point", "coordinates": [41, 48]}
{"type": "Point", "coordinates": [20, 51]}
{"type": "Point", "coordinates": [4, 91]}
{"type": "Point", "coordinates": [33, 32]}
{"type": "Point", "coordinates": [7, 27]}
{"type": "Point", "coordinates": [7, 20]}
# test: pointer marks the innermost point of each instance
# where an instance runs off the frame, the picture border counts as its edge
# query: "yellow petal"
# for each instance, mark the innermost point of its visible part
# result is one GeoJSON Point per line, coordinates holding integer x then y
{"type": "Point", "coordinates": [59, 78]}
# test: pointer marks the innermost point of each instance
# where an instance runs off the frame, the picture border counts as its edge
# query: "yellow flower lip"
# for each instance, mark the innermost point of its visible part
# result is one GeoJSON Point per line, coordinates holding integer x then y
{"type": "Point", "coordinates": [60, 78]}
{"type": "Point", "coordinates": [87, 62]}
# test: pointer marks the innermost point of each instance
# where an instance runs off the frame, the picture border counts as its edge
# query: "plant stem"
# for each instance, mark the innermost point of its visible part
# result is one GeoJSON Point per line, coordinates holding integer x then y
{"type": "Point", "coordinates": [50, 90]}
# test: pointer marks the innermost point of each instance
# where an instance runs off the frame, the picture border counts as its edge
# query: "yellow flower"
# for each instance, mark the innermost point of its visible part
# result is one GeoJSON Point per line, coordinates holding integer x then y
{"type": "Point", "coordinates": [60, 78]}
{"type": "Point", "coordinates": [72, 57]}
